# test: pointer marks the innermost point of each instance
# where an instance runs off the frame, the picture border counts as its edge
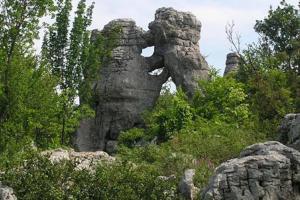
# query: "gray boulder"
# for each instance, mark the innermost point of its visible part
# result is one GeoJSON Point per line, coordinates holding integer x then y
{"type": "Point", "coordinates": [83, 160]}
{"type": "Point", "coordinates": [176, 38]}
{"type": "Point", "coordinates": [289, 131]}
{"type": "Point", "coordinates": [186, 186]}
{"type": "Point", "coordinates": [264, 171]}
{"type": "Point", "coordinates": [232, 63]}
{"type": "Point", "coordinates": [7, 193]}
{"type": "Point", "coordinates": [126, 89]}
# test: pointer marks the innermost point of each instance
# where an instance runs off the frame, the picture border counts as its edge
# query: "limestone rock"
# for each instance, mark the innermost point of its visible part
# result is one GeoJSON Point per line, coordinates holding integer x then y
{"type": "Point", "coordinates": [7, 193]}
{"type": "Point", "coordinates": [266, 171]}
{"type": "Point", "coordinates": [186, 185]}
{"type": "Point", "coordinates": [289, 131]}
{"type": "Point", "coordinates": [176, 36]}
{"type": "Point", "coordinates": [84, 160]}
{"type": "Point", "coordinates": [125, 88]}
{"type": "Point", "coordinates": [232, 63]}
{"type": "Point", "coordinates": [84, 137]}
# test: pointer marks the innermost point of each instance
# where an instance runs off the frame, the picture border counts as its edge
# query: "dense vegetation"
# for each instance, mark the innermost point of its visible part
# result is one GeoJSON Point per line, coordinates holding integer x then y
{"type": "Point", "coordinates": [38, 107]}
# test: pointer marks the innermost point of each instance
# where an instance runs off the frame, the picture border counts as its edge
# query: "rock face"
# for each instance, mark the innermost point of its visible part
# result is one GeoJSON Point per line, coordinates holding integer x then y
{"type": "Point", "coordinates": [289, 131]}
{"type": "Point", "coordinates": [268, 171]}
{"type": "Point", "coordinates": [84, 160]}
{"type": "Point", "coordinates": [176, 39]}
{"type": "Point", "coordinates": [125, 88]}
{"type": "Point", "coordinates": [84, 137]}
{"type": "Point", "coordinates": [186, 185]}
{"type": "Point", "coordinates": [7, 193]}
{"type": "Point", "coordinates": [232, 63]}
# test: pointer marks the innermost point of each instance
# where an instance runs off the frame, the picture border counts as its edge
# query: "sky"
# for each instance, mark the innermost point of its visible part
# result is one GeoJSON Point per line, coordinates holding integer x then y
{"type": "Point", "coordinates": [213, 14]}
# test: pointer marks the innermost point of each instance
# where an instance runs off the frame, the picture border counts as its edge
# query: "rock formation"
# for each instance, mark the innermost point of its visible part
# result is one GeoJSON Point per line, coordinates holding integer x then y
{"type": "Point", "coordinates": [289, 131]}
{"type": "Point", "coordinates": [7, 193]}
{"type": "Point", "coordinates": [126, 88]}
{"type": "Point", "coordinates": [232, 63]}
{"type": "Point", "coordinates": [176, 39]}
{"type": "Point", "coordinates": [84, 160]}
{"type": "Point", "coordinates": [85, 137]}
{"type": "Point", "coordinates": [268, 171]}
{"type": "Point", "coordinates": [186, 185]}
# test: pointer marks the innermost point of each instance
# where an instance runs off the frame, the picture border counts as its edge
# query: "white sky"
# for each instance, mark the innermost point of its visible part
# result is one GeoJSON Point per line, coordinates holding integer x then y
{"type": "Point", "coordinates": [213, 14]}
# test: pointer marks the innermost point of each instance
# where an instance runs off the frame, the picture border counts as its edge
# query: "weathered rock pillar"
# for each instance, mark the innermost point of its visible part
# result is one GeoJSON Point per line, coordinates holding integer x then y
{"type": "Point", "coordinates": [176, 39]}
{"type": "Point", "coordinates": [125, 88]}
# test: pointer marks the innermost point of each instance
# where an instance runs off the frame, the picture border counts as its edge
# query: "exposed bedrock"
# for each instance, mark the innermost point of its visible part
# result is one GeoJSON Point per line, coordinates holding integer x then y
{"type": "Point", "coordinates": [125, 88]}
{"type": "Point", "coordinates": [265, 171]}
{"type": "Point", "coordinates": [289, 130]}
{"type": "Point", "coordinates": [7, 193]}
{"type": "Point", "coordinates": [176, 38]}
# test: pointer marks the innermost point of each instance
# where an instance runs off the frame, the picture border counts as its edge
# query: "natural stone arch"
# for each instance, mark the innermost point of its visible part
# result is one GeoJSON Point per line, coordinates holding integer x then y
{"type": "Point", "coordinates": [126, 87]}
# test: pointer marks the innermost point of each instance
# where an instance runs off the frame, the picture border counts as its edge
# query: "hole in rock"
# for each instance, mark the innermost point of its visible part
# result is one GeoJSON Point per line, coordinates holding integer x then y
{"type": "Point", "coordinates": [260, 183]}
{"type": "Point", "coordinates": [147, 52]}
{"type": "Point", "coordinates": [168, 86]}
{"type": "Point", "coordinates": [156, 72]}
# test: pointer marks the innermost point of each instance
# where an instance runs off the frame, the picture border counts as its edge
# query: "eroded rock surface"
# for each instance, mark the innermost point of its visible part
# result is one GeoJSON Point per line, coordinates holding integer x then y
{"type": "Point", "coordinates": [289, 131]}
{"type": "Point", "coordinates": [186, 185]}
{"type": "Point", "coordinates": [265, 171]}
{"type": "Point", "coordinates": [125, 88]}
{"type": "Point", "coordinates": [232, 63]}
{"type": "Point", "coordinates": [84, 139]}
{"type": "Point", "coordinates": [7, 193]}
{"type": "Point", "coordinates": [84, 160]}
{"type": "Point", "coordinates": [176, 38]}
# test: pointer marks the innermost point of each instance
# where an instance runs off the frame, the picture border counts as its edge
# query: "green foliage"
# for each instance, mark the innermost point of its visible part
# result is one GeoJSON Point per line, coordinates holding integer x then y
{"type": "Point", "coordinates": [38, 178]}
{"type": "Point", "coordinates": [64, 53]}
{"type": "Point", "coordinates": [270, 68]}
{"type": "Point", "coordinates": [74, 57]}
{"type": "Point", "coordinates": [280, 34]}
{"type": "Point", "coordinates": [171, 114]}
{"type": "Point", "coordinates": [131, 137]}
{"type": "Point", "coordinates": [37, 93]}
{"type": "Point", "coordinates": [221, 99]}
{"type": "Point", "coordinates": [28, 101]}
{"type": "Point", "coordinates": [202, 146]}
{"type": "Point", "coordinates": [270, 94]}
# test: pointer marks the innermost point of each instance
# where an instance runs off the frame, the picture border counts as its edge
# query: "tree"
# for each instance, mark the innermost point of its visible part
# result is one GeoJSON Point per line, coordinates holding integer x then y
{"type": "Point", "coordinates": [19, 20]}
{"type": "Point", "coordinates": [64, 51]}
{"type": "Point", "coordinates": [280, 33]}
{"type": "Point", "coordinates": [28, 100]}
{"type": "Point", "coordinates": [270, 68]}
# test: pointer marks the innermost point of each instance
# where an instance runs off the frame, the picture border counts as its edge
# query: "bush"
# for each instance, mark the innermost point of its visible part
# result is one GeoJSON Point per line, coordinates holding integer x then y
{"type": "Point", "coordinates": [131, 137]}
{"type": "Point", "coordinates": [172, 113]}
{"type": "Point", "coordinates": [222, 99]}
{"type": "Point", "coordinates": [38, 178]}
{"type": "Point", "coordinates": [202, 146]}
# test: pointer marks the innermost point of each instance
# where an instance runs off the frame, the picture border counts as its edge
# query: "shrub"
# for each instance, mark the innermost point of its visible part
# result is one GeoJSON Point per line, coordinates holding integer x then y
{"type": "Point", "coordinates": [172, 113]}
{"type": "Point", "coordinates": [221, 99]}
{"type": "Point", "coordinates": [38, 178]}
{"type": "Point", "coordinates": [131, 137]}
